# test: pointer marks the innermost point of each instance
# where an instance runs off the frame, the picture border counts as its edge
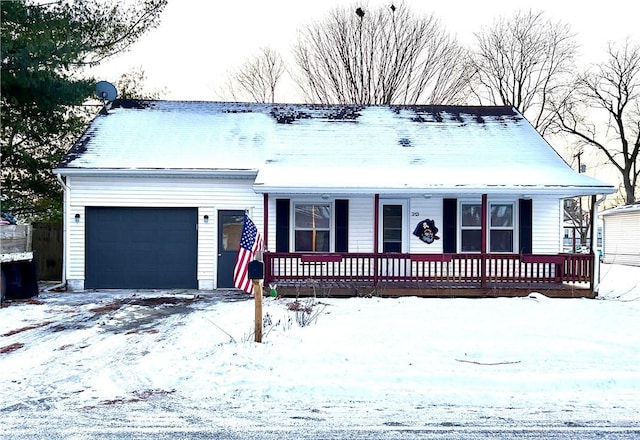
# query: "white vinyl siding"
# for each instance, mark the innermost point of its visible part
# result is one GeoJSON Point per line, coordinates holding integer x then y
{"type": "Point", "coordinates": [621, 244]}
{"type": "Point", "coordinates": [420, 209]}
{"type": "Point", "coordinates": [207, 240]}
{"type": "Point", "coordinates": [208, 195]}
{"type": "Point", "coordinates": [361, 219]}
{"type": "Point", "coordinates": [547, 226]}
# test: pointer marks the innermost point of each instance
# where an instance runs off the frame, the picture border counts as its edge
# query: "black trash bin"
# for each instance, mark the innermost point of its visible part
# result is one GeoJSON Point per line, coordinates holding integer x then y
{"type": "Point", "coordinates": [19, 279]}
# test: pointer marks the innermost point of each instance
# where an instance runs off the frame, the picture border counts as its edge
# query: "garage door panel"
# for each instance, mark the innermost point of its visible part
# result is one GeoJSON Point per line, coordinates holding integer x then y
{"type": "Point", "coordinates": [141, 248]}
{"type": "Point", "coordinates": [144, 236]}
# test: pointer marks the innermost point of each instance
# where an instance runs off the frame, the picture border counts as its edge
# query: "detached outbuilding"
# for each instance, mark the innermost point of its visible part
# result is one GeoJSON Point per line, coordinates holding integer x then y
{"type": "Point", "coordinates": [420, 200]}
{"type": "Point", "coordinates": [621, 235]}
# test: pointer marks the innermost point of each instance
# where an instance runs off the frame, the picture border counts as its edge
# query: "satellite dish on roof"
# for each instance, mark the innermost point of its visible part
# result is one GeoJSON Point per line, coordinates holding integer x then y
{"type": "Point", "coordinates": [106, 91]}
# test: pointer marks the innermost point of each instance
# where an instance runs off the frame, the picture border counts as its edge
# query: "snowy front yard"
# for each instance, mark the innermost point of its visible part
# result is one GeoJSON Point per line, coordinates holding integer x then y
{"type": "Point", "coordinates": [189, 357]}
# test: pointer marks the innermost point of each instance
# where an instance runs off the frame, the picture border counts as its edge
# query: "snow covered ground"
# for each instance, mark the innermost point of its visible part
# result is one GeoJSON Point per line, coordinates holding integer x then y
{"type": "Point", "coordinates": [159, 361]}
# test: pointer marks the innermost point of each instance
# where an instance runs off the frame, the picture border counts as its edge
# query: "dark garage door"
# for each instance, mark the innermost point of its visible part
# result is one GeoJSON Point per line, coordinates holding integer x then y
{"type": "Point", "coordinates": [141, 248]}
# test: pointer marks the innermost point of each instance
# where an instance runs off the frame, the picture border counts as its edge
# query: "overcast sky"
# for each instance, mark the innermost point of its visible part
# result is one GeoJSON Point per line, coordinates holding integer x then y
{"type": "Point", "coordinates": [198, 41]}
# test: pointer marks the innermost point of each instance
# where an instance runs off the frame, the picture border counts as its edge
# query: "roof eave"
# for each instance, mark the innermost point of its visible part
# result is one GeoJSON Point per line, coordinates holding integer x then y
{"type": "Point", "coordinates": [163, 172]}
{"type": "Point", "coordinates": [621, 210]}
{"type": "Point", "coordinates": [514, 190]}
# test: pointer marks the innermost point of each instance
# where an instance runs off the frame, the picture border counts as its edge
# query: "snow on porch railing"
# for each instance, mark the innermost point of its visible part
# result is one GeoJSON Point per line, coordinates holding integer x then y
{"type": "Point", "coordinates": [475, 269]}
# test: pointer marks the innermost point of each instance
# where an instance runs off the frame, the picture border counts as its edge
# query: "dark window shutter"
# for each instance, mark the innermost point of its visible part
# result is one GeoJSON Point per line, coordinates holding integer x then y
{"type": "Point", "coordinates": [450, 225]}
{"type": "Point", "coordinates": [526, 226]}
{"type": "Point", "coordinates": [282, 224]}
{"type": "Point", "coordinates": [342, 225]}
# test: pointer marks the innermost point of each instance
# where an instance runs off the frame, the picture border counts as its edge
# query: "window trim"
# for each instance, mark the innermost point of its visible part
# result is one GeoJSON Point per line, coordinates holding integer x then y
{"type": "Point", "coordinates": [514, 226]}
{"type": "Point", "coordinates": [293, 228]}
{"type": "Point", "coordinates": [511, 228]}
{"type": "Point", "coordinates": [462, 228]}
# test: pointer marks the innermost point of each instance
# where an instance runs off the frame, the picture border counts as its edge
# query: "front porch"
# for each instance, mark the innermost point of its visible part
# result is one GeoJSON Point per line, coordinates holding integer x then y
{"type": "Point", "coordinates": [429, 275]}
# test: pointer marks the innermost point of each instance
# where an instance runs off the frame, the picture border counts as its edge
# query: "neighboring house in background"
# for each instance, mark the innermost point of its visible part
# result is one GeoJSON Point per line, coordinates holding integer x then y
{"type": "Point", "coordinates": [571, 241]}
{"type": "Point", "coordinates": [622, 235]}
{"type": "Point", "coordinates": [353, 200]}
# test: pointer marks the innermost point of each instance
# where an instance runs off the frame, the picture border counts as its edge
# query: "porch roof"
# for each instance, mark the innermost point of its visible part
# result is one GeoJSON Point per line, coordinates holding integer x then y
{"type": "Point", "coordinates": [331, 148]}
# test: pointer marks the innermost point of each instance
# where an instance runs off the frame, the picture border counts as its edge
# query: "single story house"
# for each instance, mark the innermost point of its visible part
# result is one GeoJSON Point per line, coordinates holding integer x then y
{"type": "Point", "coordinates": [621, 230]}
{"type": "Point", "coordinates": [350, 200]}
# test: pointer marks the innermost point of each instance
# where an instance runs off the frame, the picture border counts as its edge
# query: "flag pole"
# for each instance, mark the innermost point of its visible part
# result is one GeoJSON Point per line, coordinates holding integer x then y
{"type": "Point", "coordinates": [251, 247]}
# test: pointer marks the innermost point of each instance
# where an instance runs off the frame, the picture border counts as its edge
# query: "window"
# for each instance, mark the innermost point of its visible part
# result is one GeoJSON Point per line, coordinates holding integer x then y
{"type": "Point", "coordinates": [312, 227]}
{"type": "Point", "coordinates": [501, 227]}
{"type": "Point", "coordinates": [471, 227]}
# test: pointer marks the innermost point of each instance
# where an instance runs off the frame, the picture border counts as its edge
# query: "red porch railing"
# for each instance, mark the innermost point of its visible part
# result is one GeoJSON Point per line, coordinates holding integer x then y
{"type": "Point", "coordinates": [472, 269]}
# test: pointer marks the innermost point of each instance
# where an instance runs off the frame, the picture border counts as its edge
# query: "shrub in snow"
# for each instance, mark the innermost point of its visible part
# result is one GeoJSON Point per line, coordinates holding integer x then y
{"type": "Point", "coordinates": [307, 311]}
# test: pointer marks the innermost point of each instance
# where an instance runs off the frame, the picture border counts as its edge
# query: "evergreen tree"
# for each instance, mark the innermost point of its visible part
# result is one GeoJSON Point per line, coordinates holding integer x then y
{"type": "Point", "coordinates": [45, 48]}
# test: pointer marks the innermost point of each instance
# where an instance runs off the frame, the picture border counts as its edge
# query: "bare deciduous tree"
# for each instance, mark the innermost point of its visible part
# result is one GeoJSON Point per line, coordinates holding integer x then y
{"type": "Point", "coordinates": [257, 78]}
{"type": "Point", "coordinates": [382, 56]}
{"type": "Point", "coordinates": [523, 62]}
{"type": "Point", "coordinates": [579, 219]}
{"type": "Point", "coordinates": [603, 112]}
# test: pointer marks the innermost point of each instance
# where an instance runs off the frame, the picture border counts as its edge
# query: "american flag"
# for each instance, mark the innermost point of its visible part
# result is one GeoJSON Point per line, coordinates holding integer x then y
{"type": "Point", "coordinates": [250, 243]}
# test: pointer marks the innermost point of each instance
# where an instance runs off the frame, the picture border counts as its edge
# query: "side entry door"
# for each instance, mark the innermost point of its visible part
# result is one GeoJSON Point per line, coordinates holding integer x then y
{"type": "Point", "coordinates": [229, 232]}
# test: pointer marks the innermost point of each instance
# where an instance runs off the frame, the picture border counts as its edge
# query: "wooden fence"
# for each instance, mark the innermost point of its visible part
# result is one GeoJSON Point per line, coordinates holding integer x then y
{"type": "Point", "coordinates": [47, 250]}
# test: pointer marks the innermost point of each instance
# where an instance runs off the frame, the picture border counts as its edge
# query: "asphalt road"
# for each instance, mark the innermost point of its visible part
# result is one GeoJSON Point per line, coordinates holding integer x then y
{"type": "Point", "coordinates": [143, 422]}
{"type": "Point", "coordinates": [469, 433]}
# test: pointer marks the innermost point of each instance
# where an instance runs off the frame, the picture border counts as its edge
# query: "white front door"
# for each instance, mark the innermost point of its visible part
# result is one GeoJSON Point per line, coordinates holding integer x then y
{"type": "Point", "coordinates": [393, 226]}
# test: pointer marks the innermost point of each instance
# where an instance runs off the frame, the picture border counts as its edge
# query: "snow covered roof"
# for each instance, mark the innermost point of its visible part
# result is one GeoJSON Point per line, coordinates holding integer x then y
{"type": "Point", "coordinates": [308, 148]}
{"type": "Point", "coordinates": [622, 209]}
